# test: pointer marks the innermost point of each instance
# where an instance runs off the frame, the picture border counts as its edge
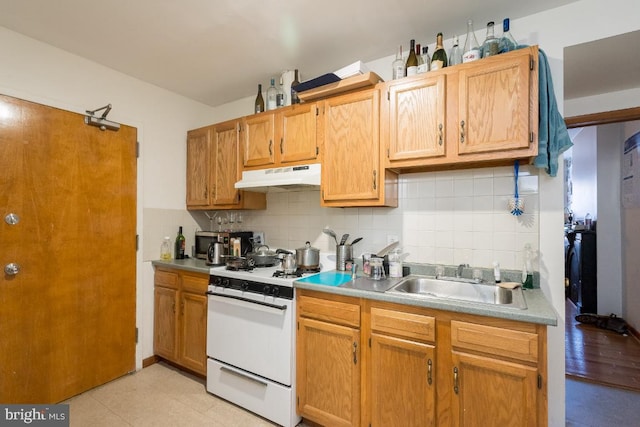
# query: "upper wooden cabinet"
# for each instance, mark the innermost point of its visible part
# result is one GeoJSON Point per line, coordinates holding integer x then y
{"type": "Point", "coordinates": [497, 112]}
{"type": "Point", "coordinates": [478, 112]}
{"type": "Point", "coordinates": [352, 171]}
{"type": "Point", "coordinates": [213, 168]}
{"type": "Point", "coordinates": [285, 136]}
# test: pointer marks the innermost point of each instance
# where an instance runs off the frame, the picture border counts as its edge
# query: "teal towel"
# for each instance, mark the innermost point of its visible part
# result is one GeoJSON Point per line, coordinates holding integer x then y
{"type": "Point", "coordinates": [553, 138]}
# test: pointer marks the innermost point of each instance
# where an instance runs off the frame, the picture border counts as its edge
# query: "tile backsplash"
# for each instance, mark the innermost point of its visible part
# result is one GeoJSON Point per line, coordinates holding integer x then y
{"type": "Point", "coordinates": [446, 217]}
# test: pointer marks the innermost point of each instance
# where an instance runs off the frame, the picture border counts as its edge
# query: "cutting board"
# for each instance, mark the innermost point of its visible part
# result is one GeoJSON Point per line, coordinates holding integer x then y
{"type": "Point", "coordinates": [327, 278]}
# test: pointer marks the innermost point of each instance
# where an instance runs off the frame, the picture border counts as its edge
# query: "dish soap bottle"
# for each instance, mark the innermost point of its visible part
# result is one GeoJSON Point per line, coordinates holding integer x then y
{"type": "Point", "coordinates": [165, 248]}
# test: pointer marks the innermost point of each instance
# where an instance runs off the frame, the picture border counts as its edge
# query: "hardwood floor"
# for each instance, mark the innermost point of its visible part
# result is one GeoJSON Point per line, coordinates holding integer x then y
{"type": "Point", "coordinates": [600, 356]}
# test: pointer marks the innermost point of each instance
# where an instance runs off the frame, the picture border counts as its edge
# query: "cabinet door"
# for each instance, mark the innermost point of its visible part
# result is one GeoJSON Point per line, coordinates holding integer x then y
{"type": "Point", "coordinates": [495, 113]}
{"type": "Point", "coordinates": [417, 119]}
{"type": "Point", "coordinates": [402, 382]}
{"type": "Point", "coordinates": [193, 311]}
{"type": "Point", "coordinates": [492, 392]}
{"type": "Point", "coordinates": [298, 130]}
{"type": "Point", "coordinates": [351, 161]}
{"type": "Point", "coordinates": [165, 337]}
{"type": "Point", "coordinates": [226, 170]}
{"type": "Point", "coordinates": [198, 166]}
{"type": "Point", "coordinates": [328, 373]}
{"type": "Point", "coordinates": [258, 140]}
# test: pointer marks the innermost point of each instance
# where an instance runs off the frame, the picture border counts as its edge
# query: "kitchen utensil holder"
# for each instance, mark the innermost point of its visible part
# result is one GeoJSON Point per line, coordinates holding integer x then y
{"type": "Point", "coordinates": [343, 253]}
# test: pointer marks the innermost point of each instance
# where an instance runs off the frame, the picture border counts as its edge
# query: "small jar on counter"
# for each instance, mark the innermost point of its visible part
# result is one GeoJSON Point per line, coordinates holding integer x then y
{"type": "Point", "coordinates": [395, 263]}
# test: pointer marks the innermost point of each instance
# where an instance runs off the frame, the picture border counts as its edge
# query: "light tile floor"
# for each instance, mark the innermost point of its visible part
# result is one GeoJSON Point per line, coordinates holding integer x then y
{"type": "Point", "coordinates": [158, 396]}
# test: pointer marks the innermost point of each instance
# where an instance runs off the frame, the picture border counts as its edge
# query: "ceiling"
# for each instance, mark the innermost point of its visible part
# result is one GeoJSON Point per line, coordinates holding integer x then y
{"type": "Point", "coordinates": [216, 51]}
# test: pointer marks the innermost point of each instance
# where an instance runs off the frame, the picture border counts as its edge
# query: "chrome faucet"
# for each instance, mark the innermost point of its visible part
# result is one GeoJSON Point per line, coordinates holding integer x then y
{"type": "Point", "coordinates": [459, 270]}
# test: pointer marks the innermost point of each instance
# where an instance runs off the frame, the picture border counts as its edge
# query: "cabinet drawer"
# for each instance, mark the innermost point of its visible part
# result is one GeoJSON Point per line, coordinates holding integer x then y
{"type": "Point", "coordinates": [196, 283]}
{"type": "Point", "coordinates": [342, 313]}
{"type": "Point", "coordinates": [494, 340]}
{"type": "Point", "coordinates": [406, 325]}
{"type": "Point", "coordinates": [166, 279]}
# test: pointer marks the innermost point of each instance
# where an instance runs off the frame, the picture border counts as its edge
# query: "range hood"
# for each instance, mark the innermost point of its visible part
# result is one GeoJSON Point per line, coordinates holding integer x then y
{"type": "Point", "coordinates": [280, 179]}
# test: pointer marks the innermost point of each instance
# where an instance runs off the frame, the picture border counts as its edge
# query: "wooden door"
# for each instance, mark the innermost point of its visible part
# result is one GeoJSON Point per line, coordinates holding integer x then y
{"type": "Point", "coordinates": [198, 166]}
{"type": "Point", "coordinates": [298, 128]}
{"type": "Point", "coordinates": [226, 170]}
{"type": "Point", "coordinates": [67, 318]}
{"type": "Point", "coordinates": [493, 392]}
{"type": "Point", "coordinates": [328, 373]}
{"type": "Point", "coordinates": [402, 382]}
{"type": "Point", "coordinates": [258, 140]}
{"type": "Point", "coordinates": [495, 112]}
{"type": "Point", "coordinates": [417, 118]}
{"type": "Point", "coordinates": [351, 165]}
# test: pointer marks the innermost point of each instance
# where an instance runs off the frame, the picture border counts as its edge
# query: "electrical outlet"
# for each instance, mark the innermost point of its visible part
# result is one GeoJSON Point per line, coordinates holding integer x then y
{"type": "Point", "coordinates": [392, 238]}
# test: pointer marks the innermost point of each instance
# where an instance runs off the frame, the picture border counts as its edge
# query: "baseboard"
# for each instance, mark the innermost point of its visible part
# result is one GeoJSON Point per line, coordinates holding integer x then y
{"type": "Point", "coordinates": [150, 361]}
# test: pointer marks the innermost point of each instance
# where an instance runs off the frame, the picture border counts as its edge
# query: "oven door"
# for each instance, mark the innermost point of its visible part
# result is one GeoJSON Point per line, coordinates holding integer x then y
{"type": "Point", "coordinates": [252, 332]}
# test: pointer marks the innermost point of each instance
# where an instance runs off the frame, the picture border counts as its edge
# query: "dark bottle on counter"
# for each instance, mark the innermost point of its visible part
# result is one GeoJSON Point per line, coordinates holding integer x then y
{"type": "Point", "coordinates": [294, 94]}
{"type": "Point", "coordinates": [180, 244]}
{"type": "Point", "coordinates": [259, 104]}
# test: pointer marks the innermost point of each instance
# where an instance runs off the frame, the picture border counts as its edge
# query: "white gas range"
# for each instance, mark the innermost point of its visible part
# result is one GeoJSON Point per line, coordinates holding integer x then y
{"type": "Point", "coordinates": [251, 340]}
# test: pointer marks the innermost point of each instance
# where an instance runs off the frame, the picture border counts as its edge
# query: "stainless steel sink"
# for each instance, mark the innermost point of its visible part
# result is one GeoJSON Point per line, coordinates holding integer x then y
{"type": "Point", "coordinates": [483, 293]}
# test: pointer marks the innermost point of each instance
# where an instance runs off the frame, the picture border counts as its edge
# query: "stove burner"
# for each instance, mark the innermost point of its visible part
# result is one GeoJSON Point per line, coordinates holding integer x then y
{"type": "Point", "coordinates": [281, 273]}
{"type": "Point", "coordinates": [239, 268]}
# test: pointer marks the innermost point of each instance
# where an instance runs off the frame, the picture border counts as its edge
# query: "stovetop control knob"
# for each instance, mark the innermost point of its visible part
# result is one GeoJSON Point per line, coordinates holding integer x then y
{"type": "Point", "coordinates": [244, 286]}
{"type": "Point", "coordinates": [275, 291]}
{"type": "Point", "coordinates": [266, 290]}
{"type": "Point", "coordinates": [217, 281]}
{"type": "Point", "coordinates": [226, 283]}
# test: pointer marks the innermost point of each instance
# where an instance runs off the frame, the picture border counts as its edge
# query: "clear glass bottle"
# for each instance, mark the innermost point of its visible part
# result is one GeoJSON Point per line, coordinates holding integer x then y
{"type": "Point", "coordinates": [165, 248]}
{"type": "Point", "coordinates": [412, 59]}
{"type": "Point", "coordinates": [280, 96]}
{"type": "Point", "coordinates": [419, 55]}
{"type": "Point", "coordinates": [491, 45]}
{"type": "Point", "coordinates": [395, 263]}
{"type": "Point", "coordinates": [259, 104]}
{"type": "Point", "coordinates": [455, 56]}
{"type": "Point", "coordinates": [294, 94]}
{"type": "Point", "coordinates": [426, 60]}
{"type": "Point", "coordinates": [398, 65]}
{"type": "Point", "coordinates": [272, 93]}
{"type": "Point", "coordinates": [439, 59]}
{"type": "Point", "coordinates": [507, 42]}
{"type": "Point", "coordinates": [471, 51]}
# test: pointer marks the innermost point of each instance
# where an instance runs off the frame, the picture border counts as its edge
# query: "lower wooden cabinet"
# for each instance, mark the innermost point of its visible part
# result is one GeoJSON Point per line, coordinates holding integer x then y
{"type": "Point", "coordinates": [180, 318]}
{"type": "Point", "coordinates": [370, 363]}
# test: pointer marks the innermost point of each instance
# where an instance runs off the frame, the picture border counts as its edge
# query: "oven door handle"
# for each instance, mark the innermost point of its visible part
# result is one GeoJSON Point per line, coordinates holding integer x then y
{"type": "Point", "coordinates": [243, 375]}
{"type": "Point", "coordinates": [243, 299]}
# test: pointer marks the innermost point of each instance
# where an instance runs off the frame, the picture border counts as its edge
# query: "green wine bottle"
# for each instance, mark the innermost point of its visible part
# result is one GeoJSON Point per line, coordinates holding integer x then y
{"type": "Point", "coordinates": [180, 244]}
{"type": "Point", "coordinates": [439, 59]}
{"type": "Point", "coordinates": [259, 105]}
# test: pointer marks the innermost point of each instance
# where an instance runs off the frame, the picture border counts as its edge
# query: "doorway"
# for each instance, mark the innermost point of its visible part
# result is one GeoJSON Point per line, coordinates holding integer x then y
{"type": "Point", "coordinates": [68, 234]}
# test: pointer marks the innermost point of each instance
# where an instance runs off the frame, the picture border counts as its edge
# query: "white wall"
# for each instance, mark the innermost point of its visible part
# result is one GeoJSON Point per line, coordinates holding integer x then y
{"type": "Point", "coordinates": [600, 103]}
{"type": "Point", "coordinates": [609, 247]}
{"type": "Point", "coordinates": [584, 174]}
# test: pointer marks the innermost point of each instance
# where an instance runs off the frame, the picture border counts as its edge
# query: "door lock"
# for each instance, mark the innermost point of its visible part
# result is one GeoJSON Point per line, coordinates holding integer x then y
{"type": "Point", "coordinates": [11, 269]}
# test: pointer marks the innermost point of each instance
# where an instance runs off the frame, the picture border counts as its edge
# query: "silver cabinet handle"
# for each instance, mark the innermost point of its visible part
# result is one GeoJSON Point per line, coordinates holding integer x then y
{"type": "Point", "coordinates": [455, 380]}
{"type": "Point", "coordinates": [11, 269]}
{"type": "Point", "coordinates": [429, 369]}
{"type": "Point", "coordinates": [462, 132]}
{"type": "Point", "coordinates": [440, 134]}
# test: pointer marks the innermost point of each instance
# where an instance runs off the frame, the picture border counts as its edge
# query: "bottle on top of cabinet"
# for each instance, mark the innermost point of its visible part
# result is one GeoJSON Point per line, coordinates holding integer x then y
{"type": "Point", "coordinates": [471, 51]}
{"type": "Point", "coordinates": [280, 96]}
{"type": "Point", "coordinates": [491, 45]}
{"type": "Point", "coordinates": [439, 59]}
{"type": "Point", "coordinates": [455, 55]}
{"type": "Point", "coordinates": [507, 41]}
{"type": "Point", "coordinates": [412, 59]}
{"type": "Point", "coordinates": [259, 103]}
{"type": "Point", "coordinates": [398, 68]}
{"type": "Point", "coordinates": [272, 94]}
{"type": "Point", "coordinates": [426, 60]}
{"type": "Point", "coordinates": [294, 94]}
